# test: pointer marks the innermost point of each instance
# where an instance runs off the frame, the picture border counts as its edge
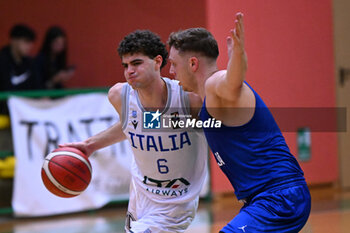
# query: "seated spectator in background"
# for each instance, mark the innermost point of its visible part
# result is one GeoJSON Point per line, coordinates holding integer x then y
{"type": "Point", "coordinates": [15, 74]}
{"type": "Point", "coordinates": [15, 63]}
{"type": "Point", "coordinates": [51, 63]}
{"type": "Point", "coordinates": [15, 60]}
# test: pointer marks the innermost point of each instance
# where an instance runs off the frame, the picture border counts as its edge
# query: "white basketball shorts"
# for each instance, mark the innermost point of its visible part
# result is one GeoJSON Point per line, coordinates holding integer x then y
{"type": "Point", "coordinates": [147, 216]}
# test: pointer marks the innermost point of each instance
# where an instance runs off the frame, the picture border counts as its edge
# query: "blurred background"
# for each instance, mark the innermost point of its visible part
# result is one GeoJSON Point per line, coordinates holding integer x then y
{"type": "Point", "coordinates": [298, 56]}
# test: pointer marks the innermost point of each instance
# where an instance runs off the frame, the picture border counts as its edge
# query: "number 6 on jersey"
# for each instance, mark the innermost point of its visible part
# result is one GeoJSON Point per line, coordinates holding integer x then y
{"type": "Point", "coordinates": [163, 169]}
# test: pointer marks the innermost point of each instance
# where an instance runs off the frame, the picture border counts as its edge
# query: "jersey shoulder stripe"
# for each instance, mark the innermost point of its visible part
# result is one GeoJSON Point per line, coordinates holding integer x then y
{"type": "Point", "coordinates": [125, 104]}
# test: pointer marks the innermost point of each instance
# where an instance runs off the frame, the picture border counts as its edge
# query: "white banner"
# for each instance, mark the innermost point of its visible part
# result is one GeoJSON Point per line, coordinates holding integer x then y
{"type": "Point", "coordinates": [38, 127]}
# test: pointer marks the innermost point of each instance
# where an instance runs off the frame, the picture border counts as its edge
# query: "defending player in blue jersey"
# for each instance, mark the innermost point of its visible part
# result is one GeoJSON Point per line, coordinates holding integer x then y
{"type": "Point", "coordinates": [249, 147]}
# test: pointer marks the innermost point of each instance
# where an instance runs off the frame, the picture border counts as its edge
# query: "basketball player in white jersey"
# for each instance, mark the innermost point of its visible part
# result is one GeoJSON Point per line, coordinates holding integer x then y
{"type": "Point", "coordinates": [169, 165]}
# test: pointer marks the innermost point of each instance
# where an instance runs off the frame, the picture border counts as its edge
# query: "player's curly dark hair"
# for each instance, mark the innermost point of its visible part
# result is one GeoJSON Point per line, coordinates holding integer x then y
{"type": "Point", "coordinates": [195, 40]}
{"type": "Point", "coordinates": [145, 42]}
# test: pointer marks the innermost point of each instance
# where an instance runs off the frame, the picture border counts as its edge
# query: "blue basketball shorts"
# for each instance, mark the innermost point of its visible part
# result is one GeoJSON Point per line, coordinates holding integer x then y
{"type": "Point", "coordinates": [283, 209]}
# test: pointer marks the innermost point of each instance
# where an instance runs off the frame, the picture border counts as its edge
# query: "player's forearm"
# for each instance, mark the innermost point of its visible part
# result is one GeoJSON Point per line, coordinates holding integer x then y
{"type": "Point", "coordinates": [229, 84]}
{"type": "Point", "coordinates": [237, 64]}
{"type": "Point", "coordinates": [236, 70]}
{"type": "Point", "coordinates": [106, 138]}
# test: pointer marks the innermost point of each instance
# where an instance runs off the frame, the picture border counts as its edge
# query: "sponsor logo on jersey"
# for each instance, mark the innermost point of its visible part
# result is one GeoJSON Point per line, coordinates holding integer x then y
{"type": "Point", "coordinates": [174, 183]}
{"type": "Point", "coordinates": [134, 123]}
{"type": "Point", "coordinates": [174, 186]}
{"type": "Point", "coordinates": [219, 159]}
{"type": "Point", "coordinates": [242, 228]}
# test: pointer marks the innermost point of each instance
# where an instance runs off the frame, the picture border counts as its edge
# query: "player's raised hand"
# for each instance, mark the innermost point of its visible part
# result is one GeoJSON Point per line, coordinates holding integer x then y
{"type": "Point", "coordinates": [235, 45]}
{"type": "Point", "coordinates": [235, 42]}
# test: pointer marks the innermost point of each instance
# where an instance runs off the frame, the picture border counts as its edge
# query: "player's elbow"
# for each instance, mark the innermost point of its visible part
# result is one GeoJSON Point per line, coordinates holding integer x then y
{"type": "Point", "coordinates": [233, 96]}
{"type": "Point", "coordinates": [231, 92]}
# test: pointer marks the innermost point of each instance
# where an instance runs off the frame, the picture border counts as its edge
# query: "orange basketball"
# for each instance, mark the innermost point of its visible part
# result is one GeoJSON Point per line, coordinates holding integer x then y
{"type": "Point", "coordinates": [66, 172]}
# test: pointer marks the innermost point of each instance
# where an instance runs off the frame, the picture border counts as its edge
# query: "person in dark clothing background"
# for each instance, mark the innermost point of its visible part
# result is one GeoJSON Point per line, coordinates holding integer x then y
{"type": "Point", "coordinates": [50, 66]}
{"type": "Point", "coordinates": [15, 73]}
{"type": "Point", "coordinates": [15, 60]}
{"type": "Point", "coordinates": [16, 63]}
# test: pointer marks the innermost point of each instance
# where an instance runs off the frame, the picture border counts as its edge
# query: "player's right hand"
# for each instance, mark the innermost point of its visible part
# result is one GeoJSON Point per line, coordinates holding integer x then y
{"type": "Point", "coordinates": [82, 146]}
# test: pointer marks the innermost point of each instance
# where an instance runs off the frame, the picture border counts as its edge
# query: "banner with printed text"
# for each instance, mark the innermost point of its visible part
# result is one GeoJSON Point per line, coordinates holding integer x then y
{"type": "Point", "coordinates": [38, 127]}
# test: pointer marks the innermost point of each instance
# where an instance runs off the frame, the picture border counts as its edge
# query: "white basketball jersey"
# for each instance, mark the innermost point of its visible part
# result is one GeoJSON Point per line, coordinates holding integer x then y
{"type": "Point", "coordinates": [170, 163]}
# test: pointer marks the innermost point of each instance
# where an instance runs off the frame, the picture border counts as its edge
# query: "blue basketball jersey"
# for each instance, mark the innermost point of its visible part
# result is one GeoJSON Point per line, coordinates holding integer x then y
{"type": "Point", "coordinates": [254, 156]}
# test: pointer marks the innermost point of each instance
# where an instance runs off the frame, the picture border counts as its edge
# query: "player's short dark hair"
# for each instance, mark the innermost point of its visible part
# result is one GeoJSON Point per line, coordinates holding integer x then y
{"type": "Point", "coordinates": [197, 40]}
{"type": "Point", "coordinates": [22, 31]}
{"type": "Point", "coordinates": [145, 42]}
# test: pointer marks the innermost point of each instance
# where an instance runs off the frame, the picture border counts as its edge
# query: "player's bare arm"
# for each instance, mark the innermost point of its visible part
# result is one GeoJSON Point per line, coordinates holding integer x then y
{"type": "Point", "coordinates": [109, 136]}
{"type": "Point", "coordinates": [225, 90]}
{"type": "Point", "coordinates": [114, 97]}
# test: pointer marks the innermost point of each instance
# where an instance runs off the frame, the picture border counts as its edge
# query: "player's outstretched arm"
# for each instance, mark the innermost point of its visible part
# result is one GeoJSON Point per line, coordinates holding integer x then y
{"type": "Point", "coordinates": [107, 137]}
{"type": "Point", "coordinates": [103, 139]}
{"type": "Point", "coordinates": [229, 85]}
{"type": "Point", "coordinates": [237, 64]}
{"type": "Point", "coordinates": [229, 99]}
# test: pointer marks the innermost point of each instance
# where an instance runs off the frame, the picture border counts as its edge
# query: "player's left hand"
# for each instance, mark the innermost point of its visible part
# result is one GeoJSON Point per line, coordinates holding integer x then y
{"type": "Point", "coordinates": [235, 42]}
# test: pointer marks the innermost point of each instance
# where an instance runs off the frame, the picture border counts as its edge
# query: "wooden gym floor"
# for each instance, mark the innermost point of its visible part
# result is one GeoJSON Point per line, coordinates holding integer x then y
{"type": "Point", "coordinates": [330, 214]}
